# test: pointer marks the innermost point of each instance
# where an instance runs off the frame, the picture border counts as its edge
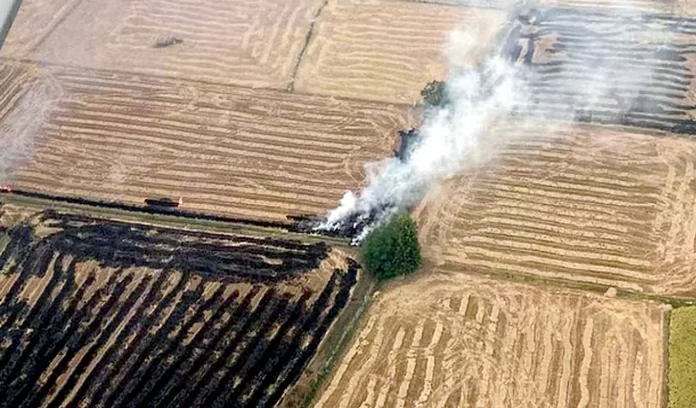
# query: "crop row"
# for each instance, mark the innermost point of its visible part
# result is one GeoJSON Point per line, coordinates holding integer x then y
{"type": "Point", "coordinates": [138, 325]}
{"type": "Point", "coordinates": [607, 67]}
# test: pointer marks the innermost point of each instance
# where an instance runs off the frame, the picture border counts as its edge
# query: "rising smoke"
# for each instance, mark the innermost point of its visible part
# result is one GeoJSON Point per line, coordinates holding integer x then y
{"type": "Point", "coordinates": [450, 142]}
{"type": "Point", "coordinates": [20, 128]}
{"type": "Point", "coordinates": [454, 137]}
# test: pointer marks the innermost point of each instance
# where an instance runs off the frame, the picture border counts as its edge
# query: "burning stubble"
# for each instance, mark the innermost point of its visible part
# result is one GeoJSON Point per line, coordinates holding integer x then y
{"type": "Point", "coordinates": [550, 73]}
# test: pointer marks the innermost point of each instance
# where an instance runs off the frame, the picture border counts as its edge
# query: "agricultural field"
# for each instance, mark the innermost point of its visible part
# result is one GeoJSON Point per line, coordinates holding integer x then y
{"type": "Point", "coordinates": [108, 314]}
{"type": "Point", "coordinates": [259, 154]}
{"type": "Point", "coordinates": [588, 205]}
{"type": "Point", "coordinates": [608, 68]}
{"type": "Point", "coordinates": [343, 58]}
{"type": "Point", "coordinates": [573, 210]}
{"type": "Point", "coordinates": [455, 340]}
{"type": "Point", "coordinates": [545, 269]}
{"type": "Point", "coordinates": [249, 43]}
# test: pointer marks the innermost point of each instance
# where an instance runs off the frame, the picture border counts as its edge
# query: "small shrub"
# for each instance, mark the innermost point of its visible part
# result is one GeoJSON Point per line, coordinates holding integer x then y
{"type": "Point", "coordinates": [392, 249]}
{"type": "Point", "coordinates": [434, 93]}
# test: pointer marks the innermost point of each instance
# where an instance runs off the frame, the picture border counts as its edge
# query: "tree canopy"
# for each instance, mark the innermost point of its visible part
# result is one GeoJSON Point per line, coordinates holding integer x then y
{"type": "Point", "coordinates": [392, 249]}
{"type": "Point", "coordinates": [434, 93]}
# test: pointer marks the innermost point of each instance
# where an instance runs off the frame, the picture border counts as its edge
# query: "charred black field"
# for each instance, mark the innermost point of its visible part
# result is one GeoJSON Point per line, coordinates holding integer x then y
{"type": "Point", "coordinates": [607, 67]}
{"type": "Point", "coordinates": [113, 314]}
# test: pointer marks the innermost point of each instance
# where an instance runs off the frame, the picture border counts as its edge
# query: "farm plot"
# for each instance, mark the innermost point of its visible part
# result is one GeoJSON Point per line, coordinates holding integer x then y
{"type": "Point", "coordinates": [108, 314]}
{"type": "Point", "coordinates": [606, 67]}
{"type": "Point", "coordinates": [258, 154]}
{"type": "Point", "coordinates": [460, 341]}
{"type": "Point", "coordinates": [250, 43]}
{"type": "Point", "coordinates": [359, 49]}
{"type": "Point", "coordinates": [585, 204]}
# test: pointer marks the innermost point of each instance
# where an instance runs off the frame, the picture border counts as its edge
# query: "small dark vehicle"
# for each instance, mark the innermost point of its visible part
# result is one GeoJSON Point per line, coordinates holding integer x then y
{"type": "Point", "coordinates": [168, 41]}
{"type": "Point", "coordinates": [163, 202]}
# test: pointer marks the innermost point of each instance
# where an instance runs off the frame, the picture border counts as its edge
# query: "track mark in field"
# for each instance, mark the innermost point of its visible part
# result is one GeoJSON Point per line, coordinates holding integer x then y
{"type": "Point", "coordinates": [502, 344]}
{"type": "Point", "coordinates": [308, 38]}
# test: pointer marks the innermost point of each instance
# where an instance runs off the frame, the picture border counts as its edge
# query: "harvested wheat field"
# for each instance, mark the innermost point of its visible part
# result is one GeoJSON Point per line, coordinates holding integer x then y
{"type": "Point", "coordinates": [250, 43]}
{"type": "Point", "coordinates": [344, 57]}
{"type": "Point", "coordinates": [110, 314]}
{"type": "Point", "coordinates": [589, 205]}
{"type": "Point", "coordinates": [258, 154]}
{"type": "Point", "coordinates": [453, 340]}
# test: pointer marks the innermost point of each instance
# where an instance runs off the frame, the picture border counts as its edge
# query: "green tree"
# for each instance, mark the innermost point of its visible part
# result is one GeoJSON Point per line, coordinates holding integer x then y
{"type": "Point", "coordinates": [434, 93]}
{"type": "Point", "coordinates": [392, 249]}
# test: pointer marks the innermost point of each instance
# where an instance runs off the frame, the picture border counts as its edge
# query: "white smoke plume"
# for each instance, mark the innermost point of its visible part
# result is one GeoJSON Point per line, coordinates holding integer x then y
{"type": "Point", "coordinates": [454, 137]}
{"type": "Point", "coordinates": [450, 141]}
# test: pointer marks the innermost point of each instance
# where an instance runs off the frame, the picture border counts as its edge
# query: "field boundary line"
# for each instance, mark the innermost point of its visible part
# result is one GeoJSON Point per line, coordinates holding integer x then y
{"type": "Point", "coordinates": [175, 219]}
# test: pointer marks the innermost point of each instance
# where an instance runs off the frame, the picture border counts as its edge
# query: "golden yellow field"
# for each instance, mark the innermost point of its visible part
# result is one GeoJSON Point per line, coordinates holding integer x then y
{"type": "Point", "coordinates": [388, 50]}
{"type": "Point", "coordinates": [454, 340]}
{"type": "Point", "coordinates": [586, 204]}
{"type": "Point", "coordinates": [250, 153]}
{"type": "Point", "coordinates": [263, 109]}
{"type": "Point", "coordinates": [250, 43]}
